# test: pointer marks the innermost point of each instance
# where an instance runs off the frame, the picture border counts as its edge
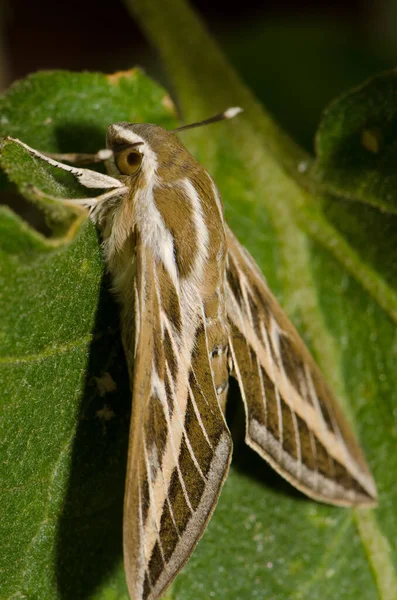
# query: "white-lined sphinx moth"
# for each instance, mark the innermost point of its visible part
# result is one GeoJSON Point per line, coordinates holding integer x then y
{"type": "Point", "coordinates": [195, 310]}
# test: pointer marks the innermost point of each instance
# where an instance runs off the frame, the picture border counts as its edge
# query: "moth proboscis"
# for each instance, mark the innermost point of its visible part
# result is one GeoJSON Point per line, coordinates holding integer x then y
{"type": "Point", "coordinates": [195, 311]}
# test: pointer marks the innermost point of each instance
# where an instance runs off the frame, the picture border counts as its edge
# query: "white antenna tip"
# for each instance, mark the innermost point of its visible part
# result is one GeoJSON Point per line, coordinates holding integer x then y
{"type": "Point", "coordinates": [231, 112]}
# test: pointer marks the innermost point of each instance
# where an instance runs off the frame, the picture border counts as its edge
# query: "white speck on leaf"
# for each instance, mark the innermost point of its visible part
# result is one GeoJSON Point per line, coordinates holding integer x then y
{"type": "Point", "coordinates": [302, 166]}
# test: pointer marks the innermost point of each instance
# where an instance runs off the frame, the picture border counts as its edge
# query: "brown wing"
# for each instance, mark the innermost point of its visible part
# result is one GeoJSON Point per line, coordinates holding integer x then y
{"type": "Point", "coordinates": [293, 420]}
{"type": "Point", "coordinates": [180, 446]}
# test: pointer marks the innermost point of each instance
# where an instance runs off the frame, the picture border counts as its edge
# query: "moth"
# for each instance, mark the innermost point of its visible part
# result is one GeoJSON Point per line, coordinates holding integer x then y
{"type": "Point", "coordinates": [195, 311]}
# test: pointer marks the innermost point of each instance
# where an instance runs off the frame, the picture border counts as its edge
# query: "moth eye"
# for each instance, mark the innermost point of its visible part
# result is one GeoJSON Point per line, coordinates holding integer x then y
{"type": "Point", "coordinates": [128, 161]}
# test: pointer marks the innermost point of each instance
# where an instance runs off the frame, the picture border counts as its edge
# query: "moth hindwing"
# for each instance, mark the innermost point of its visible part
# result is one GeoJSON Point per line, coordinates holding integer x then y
{"type": "Point", "coordinates": [195, 310]}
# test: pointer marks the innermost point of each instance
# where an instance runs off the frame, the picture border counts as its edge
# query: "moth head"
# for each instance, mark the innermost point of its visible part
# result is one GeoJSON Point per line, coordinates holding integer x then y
{"type": "Point", "coordinates": [143, 150]}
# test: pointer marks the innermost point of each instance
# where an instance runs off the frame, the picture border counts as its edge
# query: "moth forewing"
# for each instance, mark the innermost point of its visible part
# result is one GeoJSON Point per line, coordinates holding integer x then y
{"type": "Point", "coordinates": [170, 224]}
{"type": "Point", "coordinates": [292, 419]}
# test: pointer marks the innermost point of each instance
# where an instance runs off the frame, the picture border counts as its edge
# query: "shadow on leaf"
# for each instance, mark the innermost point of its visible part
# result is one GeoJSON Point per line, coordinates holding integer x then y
{"type": "Point", "coordinates": [89, 545]}
{"type": "Point", "coordinates": [79, 137]}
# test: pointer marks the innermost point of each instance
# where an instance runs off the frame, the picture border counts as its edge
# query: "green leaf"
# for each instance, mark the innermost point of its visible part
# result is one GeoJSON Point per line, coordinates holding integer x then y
{"type": "Point", "coordinates": [65, 444]}
{"type": "Point", "coordinates": [356, 144]}
{"type": "Point", "coordinates": [60, 458]}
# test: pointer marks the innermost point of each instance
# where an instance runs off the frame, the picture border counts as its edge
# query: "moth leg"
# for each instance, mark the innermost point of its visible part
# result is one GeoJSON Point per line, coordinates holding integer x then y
{"type": "Point", "coordinates": [86, 177]}
{"type": "Point", "coordinates": [80, 202]}
{"type": "Point", "coordinates": [81, 158]}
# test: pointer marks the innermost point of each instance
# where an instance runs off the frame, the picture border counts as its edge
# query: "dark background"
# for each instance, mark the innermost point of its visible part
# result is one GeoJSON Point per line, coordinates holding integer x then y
{"type": "Point", "coordinates": [296, 56]}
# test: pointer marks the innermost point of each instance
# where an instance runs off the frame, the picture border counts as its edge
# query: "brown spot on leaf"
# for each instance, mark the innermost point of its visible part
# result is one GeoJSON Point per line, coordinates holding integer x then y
{"type": "Point", "coordinates": [114, 78]}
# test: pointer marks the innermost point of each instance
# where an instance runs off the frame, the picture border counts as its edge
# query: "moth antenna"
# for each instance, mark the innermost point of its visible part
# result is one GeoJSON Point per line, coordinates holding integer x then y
{"type": "Point", "coordinates": [229, 113]}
